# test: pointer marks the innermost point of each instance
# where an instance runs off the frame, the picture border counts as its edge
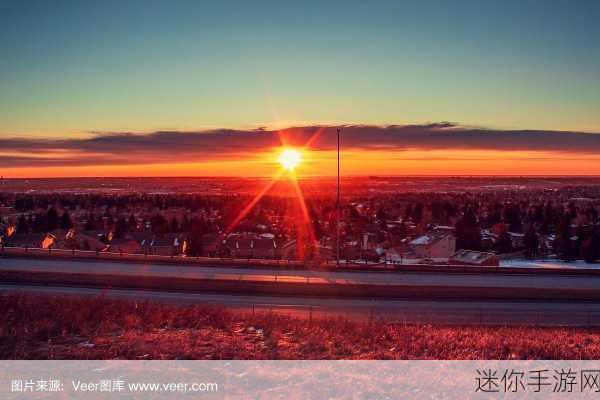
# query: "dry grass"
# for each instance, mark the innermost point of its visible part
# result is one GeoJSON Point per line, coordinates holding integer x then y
{"type": "Point", "coordinates": [54, 327]}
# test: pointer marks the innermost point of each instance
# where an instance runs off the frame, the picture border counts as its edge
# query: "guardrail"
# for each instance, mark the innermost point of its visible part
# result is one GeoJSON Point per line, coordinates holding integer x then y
{"type": "Point", "coordinates": [133, 257]}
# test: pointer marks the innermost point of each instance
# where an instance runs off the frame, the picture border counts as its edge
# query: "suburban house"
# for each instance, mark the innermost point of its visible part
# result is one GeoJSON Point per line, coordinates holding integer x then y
{"type": "Point", "coordinates": [72, 239]}
{"type": "Point", "coordinates": [167, 245]}
{"type": "Point", "coordinates": [125, 245]}
{"type": "Point", "coordinates": [289, 251]}
{"type": "Point", "coordinates": [399, 251]}
{"type": "Point", "coordinates": [517, 239]}
{"type": "Point", "coordinates": [436, 244]}
{"type": "Point", "coordinates": [251, 246]}
{"type": "Point", "coordinates": [6, 211]}
{"type": "Point", "coordinates": [30, 240]}
{"type": "Point", "coordinates": [488, 239]}
{"type": "Point", "coordinates": [476, 258]}
{"type": "Point", "coordinates": [6, 231]}
{"type": "Point", "coordinates": [101, 235]}
{"type": "Point", "coordinates": [211, 244]}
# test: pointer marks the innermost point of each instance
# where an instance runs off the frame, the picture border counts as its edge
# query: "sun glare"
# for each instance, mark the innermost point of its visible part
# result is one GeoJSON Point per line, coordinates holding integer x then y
{"type": "Point", "coordinates": [290, 159]}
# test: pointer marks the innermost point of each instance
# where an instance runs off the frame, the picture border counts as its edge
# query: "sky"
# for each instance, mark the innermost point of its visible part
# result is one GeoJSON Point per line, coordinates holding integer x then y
{"type": "Point", "coordinates": [174, 80]}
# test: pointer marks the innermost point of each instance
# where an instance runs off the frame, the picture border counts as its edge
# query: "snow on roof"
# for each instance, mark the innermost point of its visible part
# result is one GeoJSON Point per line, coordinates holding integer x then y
{"type": "Point", "coordinates": [428, 238]}
{"type": "Point", "coordinates": [421, 240]}
{"type": "Point", "coordinates": [471, 256]}
{"type": "Point", "coordinates": [444, 227]}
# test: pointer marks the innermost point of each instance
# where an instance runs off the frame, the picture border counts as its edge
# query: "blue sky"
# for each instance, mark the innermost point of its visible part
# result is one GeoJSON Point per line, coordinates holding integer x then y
{"type": "Point", "coordinates": [73, 67]}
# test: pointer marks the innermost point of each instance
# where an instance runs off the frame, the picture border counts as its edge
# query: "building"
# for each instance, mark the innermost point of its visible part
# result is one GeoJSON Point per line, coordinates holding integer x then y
{"type": "Point", "coordinates": [436, 244]}
{"type": "Point", "coordinates": [6, 211]}
{"type": "Point", "coordinates": [88, 242]}
{"type": "Point", "coordinates": [30, 240]}
{"type": "Point", "coordinates": [250, 245]}
{"type": "Point", "coordinates": [517, 239]}
{"type": "Point", "coordinates": [476, 258]}
{"type": "Point", "coordinates": [399, 251]}
{"type": "Point", "coordinates": [167, 245]}
{"type": "Point", "coordinates": [289, 251]}
{"type": "Point", "coordinates": [124, 245]}
{"type": "Point", "coordinates": [72, 239]}
{"type": "Point", "coordinates": [211, 244]}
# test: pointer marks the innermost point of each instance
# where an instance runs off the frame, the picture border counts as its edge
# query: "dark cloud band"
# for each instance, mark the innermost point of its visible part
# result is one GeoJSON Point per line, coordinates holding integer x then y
{"type": "Point", "coordinates": [121, 148]}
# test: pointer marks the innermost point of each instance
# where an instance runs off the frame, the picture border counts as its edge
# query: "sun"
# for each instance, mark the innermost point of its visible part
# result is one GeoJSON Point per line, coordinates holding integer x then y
{"type": "Point", "coordinates": [290, 159]}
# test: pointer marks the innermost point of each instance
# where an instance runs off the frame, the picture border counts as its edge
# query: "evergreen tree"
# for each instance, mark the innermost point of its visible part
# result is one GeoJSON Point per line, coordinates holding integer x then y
{"type": "Point", "coordinates": [121, 228]}
{"type": "Point", "coordinates": [90, 223]}
{"type": "Point", "coordinates": [563, 243]}
{"type": "Point", "coordinates": [39, 223]}
{"type": "Point", "coordinates": [381, 215]}
{"type": "Point", "coordinates": [185, 224]}
{"type": "Point", "coordinates": [531, 242]}
{"type": "Point", "coordinates": [417, 214]}
{"type": "Point", "coordinates": [195, 246]}
{"type": "Point", "coordinates": [65, 221]}
{"type": "Point", "coordinates": [22, 225]}
{"type": "Point", "coordinates": [408, 212]}
{"type": "Point", "coordinates": [160, 226]}
{"type": "Point", "coordinates": [504, 243]}
{"type": "Point", "coordinates": [513, 218]}
{"type": "Point", "coordinates": [132, 223]}
{"type": "Point", "coordinates": [468, 233]}
{"type": "Point", "coordinates": [51, 219]}
{"type": "Point", "coordinates": [174, 225]}
{"type": "Point", "coordinates": [110, 221]}
{"type": "Point", "coordinates": [590, 248]}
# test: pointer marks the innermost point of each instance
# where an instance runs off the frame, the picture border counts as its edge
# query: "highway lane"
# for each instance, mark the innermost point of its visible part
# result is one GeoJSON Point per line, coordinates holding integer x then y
{"type": "Point", "coordinates": [398, 311]}
{"type": "Point", "coordinates": [416, 279]}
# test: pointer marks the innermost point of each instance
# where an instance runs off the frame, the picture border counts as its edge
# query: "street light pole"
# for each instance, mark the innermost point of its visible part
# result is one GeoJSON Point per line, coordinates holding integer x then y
{"type": "Point", "coordinates": [337, 258]}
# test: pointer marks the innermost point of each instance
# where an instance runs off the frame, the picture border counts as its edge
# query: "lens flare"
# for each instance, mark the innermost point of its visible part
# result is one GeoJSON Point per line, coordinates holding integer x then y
{"type": "Point", "coordinates": [290, 159]}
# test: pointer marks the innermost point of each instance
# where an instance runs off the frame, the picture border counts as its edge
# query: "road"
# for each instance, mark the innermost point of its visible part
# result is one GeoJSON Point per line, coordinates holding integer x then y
{"type": "Point", "coordinates": [433, 297]}
{"type": "Point", "coordinates": [382, 278]}
{"type": "Point", "coordinates": [400, 311]}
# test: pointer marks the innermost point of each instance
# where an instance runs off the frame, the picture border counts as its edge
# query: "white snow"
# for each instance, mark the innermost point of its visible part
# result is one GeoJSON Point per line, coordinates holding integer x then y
{"type": "Point", "coordinates": [548, 264]}
{"type": "Point", "coordinates": [421, 240]}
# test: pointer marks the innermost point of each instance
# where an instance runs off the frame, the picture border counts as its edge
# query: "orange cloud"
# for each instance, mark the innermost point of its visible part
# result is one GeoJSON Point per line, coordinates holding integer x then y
{"type": "Point", "coordinates": [435, 149]}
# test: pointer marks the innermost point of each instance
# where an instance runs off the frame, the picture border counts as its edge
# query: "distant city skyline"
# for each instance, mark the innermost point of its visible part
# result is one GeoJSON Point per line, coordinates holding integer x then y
{"type": "Point", "coordinates": [77, 75]}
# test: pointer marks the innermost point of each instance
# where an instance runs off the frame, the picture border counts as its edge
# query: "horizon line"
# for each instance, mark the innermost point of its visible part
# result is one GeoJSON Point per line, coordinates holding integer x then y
{"type": "Point", "coordinates": [4, 178]}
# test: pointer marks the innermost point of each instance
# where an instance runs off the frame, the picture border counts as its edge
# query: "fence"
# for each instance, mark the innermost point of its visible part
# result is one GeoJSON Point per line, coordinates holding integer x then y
{"type": "Point", "coordinates": [181, 259]}
{"type": "Point", "coordinates": [131, 257]}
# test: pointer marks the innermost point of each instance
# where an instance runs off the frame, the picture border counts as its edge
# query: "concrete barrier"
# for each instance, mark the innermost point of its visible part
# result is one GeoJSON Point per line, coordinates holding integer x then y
{"type": "Point", "coordinates": [280, 264]}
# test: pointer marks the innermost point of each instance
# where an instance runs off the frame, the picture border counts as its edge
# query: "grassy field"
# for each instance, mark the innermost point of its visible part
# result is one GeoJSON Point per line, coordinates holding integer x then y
{"type": "Point", "coordinates": [54, 327]}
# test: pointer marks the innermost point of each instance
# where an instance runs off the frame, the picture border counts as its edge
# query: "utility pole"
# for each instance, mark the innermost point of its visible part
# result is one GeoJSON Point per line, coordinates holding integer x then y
{"type": "Point", "coordinates": [337, 250]}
